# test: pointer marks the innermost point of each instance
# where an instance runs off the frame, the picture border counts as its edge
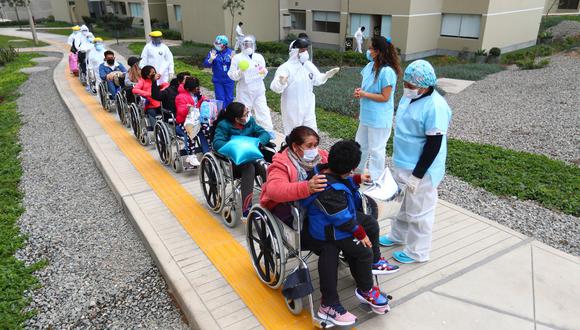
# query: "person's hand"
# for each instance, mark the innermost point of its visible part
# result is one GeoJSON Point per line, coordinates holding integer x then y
{"type": "Point", "coordinates": [157, 76]}
{"type": "Point", "coordinates": [110, 76]}
{"type": "Point", "coordinates": [365, 177]}
{"type": "Point", "coordinates": [317, 184]}
{"type": "Point", "coordinates": [262, 71]}
{"type": "Point", "coordinates": [412, 184]}
{"type": "Point", "coordinates": [212, 55]}
{"type": "Point", "coordinates": [366, 242]}
{"type": "Point", "coordinates": [283, 80]}
{"type": "Point", "coordinates": [330, 73]}
{"type": "Point", "coordinates": [357, 92]}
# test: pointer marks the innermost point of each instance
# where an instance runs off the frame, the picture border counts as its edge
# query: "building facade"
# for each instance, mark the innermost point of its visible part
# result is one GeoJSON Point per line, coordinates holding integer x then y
{"type": "Point", "coordinates": [134, 8]}
{"type": "Point", "coordinates": [418, 27]}
{"type": "Point", "coordinates": [39, 9]}
{"type": "Point", "coordinates": [562, 7]}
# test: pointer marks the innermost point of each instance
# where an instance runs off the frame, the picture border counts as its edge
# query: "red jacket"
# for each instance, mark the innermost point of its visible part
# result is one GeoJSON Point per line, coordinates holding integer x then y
{"type": "Point", "coordinates": [182, 103]}
{"type": "Point", "coordinates": [283, 185]}
{"type": "Point", "coordinates": [143, 88]}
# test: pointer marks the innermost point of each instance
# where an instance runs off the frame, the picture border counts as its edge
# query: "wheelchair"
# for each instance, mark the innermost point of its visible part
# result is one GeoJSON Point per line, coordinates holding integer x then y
{"type": "Point", "coordinates": [273, 243]}
{"type": "Point", "coordinates": [106, 102]}
{"type": "Point", "coordinates": [170, 146]}
{"type": "Point", "coordinates": [83, 77]}
{"type": "Point", "coordinates": [92, 81]}
{"type": "Point", "coordinates": [123, 108]}
{"type": "Point", "coordinates": [138, 121]}
{"type": "Point", "coordinates": [221, 189]}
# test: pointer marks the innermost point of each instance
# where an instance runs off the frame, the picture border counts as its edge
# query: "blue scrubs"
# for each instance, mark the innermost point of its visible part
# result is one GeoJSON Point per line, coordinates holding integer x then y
{"type": "Point", "coordinates": [223, 85]}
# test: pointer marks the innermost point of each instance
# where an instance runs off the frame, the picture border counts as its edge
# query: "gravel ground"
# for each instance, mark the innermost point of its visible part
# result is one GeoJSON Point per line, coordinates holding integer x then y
{"type": "Point", "coordinates": [537, 111]}
{"type": "Point", "coordinates": [565, 29]}
{"type": "Point", "coordinates": [99, 274]}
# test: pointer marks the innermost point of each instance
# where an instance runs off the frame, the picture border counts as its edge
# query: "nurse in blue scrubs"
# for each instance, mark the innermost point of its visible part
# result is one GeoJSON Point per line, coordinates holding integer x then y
{"type": "Point", "coordinates": [420, 151]}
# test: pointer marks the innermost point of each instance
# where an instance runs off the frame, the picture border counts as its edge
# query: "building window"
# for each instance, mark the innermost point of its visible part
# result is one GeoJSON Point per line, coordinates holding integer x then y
{"type": "Point", "coordinates": [298, 19]}
{"type": "Point", "coordinates": [136, 9]}
{"type": "Point", "coordinates": [326, 21]}
{"type": "Point", "coordinates": [123, 8]}
{"type": "Point", "coordinates": [461, 26]}
{"type": "Point", "coordinates": [177, 9]}
{"type": "Point", "coordinates": [568, 4]}
{"type": "Point", "coordinates": [358, 20]}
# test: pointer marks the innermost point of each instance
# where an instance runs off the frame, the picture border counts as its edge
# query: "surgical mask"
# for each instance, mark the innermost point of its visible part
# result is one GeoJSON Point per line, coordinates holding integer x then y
{"type": "Point", "coordinates": [110, 62]}
{"type": "Point", "coordinates": [243, 121]}
{"type": "Point", "coordinates": [99, 47]}
{"type": "Point", "coordinates": [303, 57]}
{"type": "Point", "coordinates": [218, 47]}
{"type": "Point", "coordinates": [411, 93]}
{"type": "Point", "coordinates": [248, 51]}
{"type": "Point", "coordinates": [369, 56]}
{"type": "Point", "coordinates": [310, 154]}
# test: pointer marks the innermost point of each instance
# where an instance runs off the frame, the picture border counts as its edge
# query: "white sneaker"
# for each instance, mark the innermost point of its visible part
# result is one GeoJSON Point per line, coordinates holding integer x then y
{"type": "Point", "coordinates": [192, 160]}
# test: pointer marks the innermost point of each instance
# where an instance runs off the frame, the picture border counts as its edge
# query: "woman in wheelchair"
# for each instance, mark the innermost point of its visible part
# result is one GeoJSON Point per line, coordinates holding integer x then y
{"type": "Point", "coordinates": [143, 88]}
{"type": "Point", "coordinates": [189, 98]}
{"type": "Point", "coordinates": [236, 120]}
{"type": "Point", "coordinates": [132, 78]}
{"type": "Point", "coordinates": [335, 215]}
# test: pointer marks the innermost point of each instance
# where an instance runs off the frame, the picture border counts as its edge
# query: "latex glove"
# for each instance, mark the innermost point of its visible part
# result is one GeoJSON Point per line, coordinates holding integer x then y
{"type": "Point", "coordinates": [212, 56]}
{"type": "Point", "coordinates": [283, 80]}
{"type": "Point", "coordinates": [412, 184]}
{"type": "Point", "coordinates": [330, 73]}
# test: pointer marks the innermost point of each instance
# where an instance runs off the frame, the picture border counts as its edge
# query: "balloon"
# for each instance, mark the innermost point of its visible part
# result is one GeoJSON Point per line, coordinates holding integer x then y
{"type": "Point", "coordinates": [242, 149]}
{"type": "Point", "coordinates": [244, 65]}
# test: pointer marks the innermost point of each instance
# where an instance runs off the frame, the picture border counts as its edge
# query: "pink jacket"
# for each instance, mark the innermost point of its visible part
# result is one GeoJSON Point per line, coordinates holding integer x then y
{"type": "Point", "coordinates": [143, 88]}
{"type": "Point", "coordinates": [182, 102]}
{"type": "Point", "coordinates": [283, 185]}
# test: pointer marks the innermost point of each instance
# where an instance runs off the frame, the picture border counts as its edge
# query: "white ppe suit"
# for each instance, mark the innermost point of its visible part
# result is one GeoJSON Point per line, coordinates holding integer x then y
{"type": "Point", "coordinates": [161, 58]}
{"type": "Point", "coordinates": [239, 37]}
{"type": "Point", "coordinates": [358, 37]}
{"type": "Point", "coordinates": [298, 100]}
{"type": "Point", "coordinates": [95, 58]}
{"type": "Point", "coordinates": [250, 89]}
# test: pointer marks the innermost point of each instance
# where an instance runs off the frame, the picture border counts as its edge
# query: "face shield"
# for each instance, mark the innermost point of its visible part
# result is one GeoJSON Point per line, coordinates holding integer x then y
{"type": "Point", "coordinates": [156, 41]}
{"type": "Point", "coordinates": [249, 45]}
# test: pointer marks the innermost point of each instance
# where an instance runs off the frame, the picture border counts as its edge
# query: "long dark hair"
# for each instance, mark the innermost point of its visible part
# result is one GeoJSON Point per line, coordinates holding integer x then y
{"type": "Point", "coordinates": [234, 110]}
{"type": "Point", "coordinates": [298, 136]}
{"type": "Point", "coordinates": [190, 83]}
{"type": "Point", "coordinates": [145, 71]}
{"type": "Point", "coordinates": [386, 55]}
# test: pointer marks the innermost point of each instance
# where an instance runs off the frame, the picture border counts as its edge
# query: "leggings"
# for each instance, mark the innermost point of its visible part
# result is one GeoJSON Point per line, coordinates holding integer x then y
{"type": "Point", "coordinates": [180, 130]}
{"type": "Point", "coordinates": [247, 172]}
{"type": "Point", "coordinates": [151, 114]}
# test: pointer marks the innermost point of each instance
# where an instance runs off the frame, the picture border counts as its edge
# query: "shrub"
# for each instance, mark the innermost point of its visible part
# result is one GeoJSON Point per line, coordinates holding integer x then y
{"type": "Point", "coordinates": [7, 55]}
{"type": "Point", "coordinates": [352, 58]}
{"type": "Point", "coordinates": [443, 60]}
{"type": "Point", "coordinates": [275, 47]}
{"type": "Point", "coordinates": [530, 63]}
{"type": "Point", "coordinates": [14, 23]}
{"type": "Point", "coordinates": [545, 35]}
{"type": "Point", "coordinates": [171, 34]}
{"type": "Point", "coordinates": [495, 51]}
{"type": "Point", "coordinates": [480, 52]}
{"type": "Point", "coordinates": [274, 60]}
{"type": "Point", "coordinates": [469, 71]}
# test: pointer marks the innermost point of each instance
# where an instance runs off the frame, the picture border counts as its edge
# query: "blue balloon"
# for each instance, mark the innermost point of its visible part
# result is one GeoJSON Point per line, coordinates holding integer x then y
{"type": "Point", "coordinates": [242, 149]}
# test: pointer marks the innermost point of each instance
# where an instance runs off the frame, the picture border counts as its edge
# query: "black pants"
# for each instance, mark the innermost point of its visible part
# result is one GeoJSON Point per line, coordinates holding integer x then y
{"type": "Point", "coordinates": [129, 95]}
{"type": "Point", "coordinates": [82, 57]}
{"type": "Point", "coordinates": [247, 172]}
{"type": "Point", "coordinates": [151, 114]}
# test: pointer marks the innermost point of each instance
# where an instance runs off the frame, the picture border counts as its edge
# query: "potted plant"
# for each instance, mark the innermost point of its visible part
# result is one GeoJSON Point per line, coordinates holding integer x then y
{"type": "Point", "coordinates": [494, 54]}
{"type": "Point", "coordinates": [546, 37]}
{"type": "Point", "coordinates": [480, 56]}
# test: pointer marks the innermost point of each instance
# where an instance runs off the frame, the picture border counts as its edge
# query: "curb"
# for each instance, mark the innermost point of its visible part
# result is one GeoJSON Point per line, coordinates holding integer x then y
{"type": "Point", "coordinates": [189, 302]}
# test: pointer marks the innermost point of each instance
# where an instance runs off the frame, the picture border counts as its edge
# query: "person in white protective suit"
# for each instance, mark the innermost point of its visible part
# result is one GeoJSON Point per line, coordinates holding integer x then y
{"type": "Point", "coordinates": [420, 151]}
{"type": "Point", "coordinates": [84, 43]}
{"type": "Point", "coordinates": [158, 55]}
{"type": "Point", "coordinates": [95, 58]}
{"type": "Point", "coordinates": [295, 80]}
{"type": "Point", "coordinates": [358, 37]}
{"type": "Point", "coordinates": [248, 69]}
{"type": "Point", "coordinates": [239, 36]}
{"type": "Point", "coordinates": [76, 30]}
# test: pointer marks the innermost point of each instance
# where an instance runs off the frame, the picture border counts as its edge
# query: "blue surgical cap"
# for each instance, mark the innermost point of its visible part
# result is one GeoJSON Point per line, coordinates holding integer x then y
{"type": "Point", "coordinates": [222, 40]}
{"type": "Point", "coordinates": [421, 74]}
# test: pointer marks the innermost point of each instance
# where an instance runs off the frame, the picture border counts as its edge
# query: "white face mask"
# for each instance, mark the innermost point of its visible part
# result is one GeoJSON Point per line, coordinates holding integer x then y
{"type": "Point", "coordinates": [303, 57]}
{"type": "Point", "coordinates": [411, 93]}
{"type": "Point", "coordinates": [248, 51]}
{"type": "Point", "coordinates": [310, 154]}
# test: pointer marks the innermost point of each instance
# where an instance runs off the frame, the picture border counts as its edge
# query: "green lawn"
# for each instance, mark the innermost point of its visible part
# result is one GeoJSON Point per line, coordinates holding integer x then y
{"type": "Point", "coordinates": [17, 42]}
{"type": "Point", "coordinates": [15, 276]}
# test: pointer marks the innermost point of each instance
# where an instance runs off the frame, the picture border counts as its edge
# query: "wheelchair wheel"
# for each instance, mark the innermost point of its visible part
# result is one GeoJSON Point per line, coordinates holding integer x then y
{"type": "Point", "coordinates": [175, 154]}
{"type": "Point", "coordinates": [266, 247]}
{"type": "Point", "coordinates": [259, 180]}
{"type": "Point", "coordinates": [294, 305]}
{"type": "Point", "coordinates": [212, 183]}
{"type": "Point", "coordinates": [232, 213]}
{"type": "Point", "coordinates": [83, 78]}
{"type": "Point", "coordinates": [162, 142]}
{"type": "Point", "coordinates": [134, 114]}
{"type": "Point", "coordinates": [120, 108]}
{"type": "Point", "coordinates": [103, 95]}
{"type": "Point", "coordinates": [144, 138]}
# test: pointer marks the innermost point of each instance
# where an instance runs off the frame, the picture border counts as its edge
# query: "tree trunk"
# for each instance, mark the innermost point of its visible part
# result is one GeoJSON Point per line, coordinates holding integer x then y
{"type": "Point", "coordinates": [146, 19]}
{"type": "Point", "coordinates": [32, 26]}
{"type": "Point", "coordinates": [18, 17]}
{"type": "Point", "coordinates": [233, 29]}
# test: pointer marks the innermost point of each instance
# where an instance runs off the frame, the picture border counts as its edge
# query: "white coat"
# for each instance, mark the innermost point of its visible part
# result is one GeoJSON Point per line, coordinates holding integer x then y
{"type": "Point", "coordinates": [250, 89]}
{"type": "Point", "coordinates": [161, 58]}
{"type": "Point", "coordinates": [298, 100]}
{"type": "Point", "coordinates": [358, 36]}
{"type": "Point", "coordinates": [95, 59]}
{"type": "Point", "coordinates": [239, 37]}
{"type": "Point", "coordinates": [72, 37]}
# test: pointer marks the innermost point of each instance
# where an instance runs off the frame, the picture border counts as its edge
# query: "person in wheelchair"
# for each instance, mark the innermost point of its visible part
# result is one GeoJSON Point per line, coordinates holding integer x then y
{"type": "Point", "coordinates": [335, 215]}
{"type": "Point", "coordinates": [236, 120]}
{"type": "Point", "coordinates": [113, 73]}
{"type": "Point", "coordinates": [168, 95]}
{"type": "Point", "coordinates": [149, 76]}
{"type": "Point", "coordinates": [132, 78]}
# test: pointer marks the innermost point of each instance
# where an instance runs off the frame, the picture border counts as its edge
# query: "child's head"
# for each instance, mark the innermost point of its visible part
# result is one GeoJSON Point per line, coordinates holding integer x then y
{"type": "Point", "coordinates": [344, 156]}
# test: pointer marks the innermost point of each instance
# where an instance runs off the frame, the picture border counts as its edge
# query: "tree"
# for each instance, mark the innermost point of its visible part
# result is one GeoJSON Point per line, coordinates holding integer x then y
{"type": "Point", "coordinates": [22, 3]}
{"type": "Point", "coordinates": [234, 6]}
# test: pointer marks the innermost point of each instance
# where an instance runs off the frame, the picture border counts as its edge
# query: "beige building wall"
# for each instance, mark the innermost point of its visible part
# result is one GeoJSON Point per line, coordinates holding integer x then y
{"type": "Point", "coordinates": [60, 10]}
{"type": "Point", "coordinates": [260, 18]}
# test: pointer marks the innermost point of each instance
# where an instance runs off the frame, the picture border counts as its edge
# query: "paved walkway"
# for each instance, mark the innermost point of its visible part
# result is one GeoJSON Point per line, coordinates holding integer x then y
{"type": "Point", "coordinates": [481, 275]}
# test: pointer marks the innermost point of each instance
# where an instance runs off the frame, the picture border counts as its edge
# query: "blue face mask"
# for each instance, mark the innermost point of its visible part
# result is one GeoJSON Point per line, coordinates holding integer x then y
{"type": "Point", "coordinates": [369, 57]}
{"type": "Point", "coordinates": [156, 41]}
{"type": "Point", "coordinates": [218, 48]}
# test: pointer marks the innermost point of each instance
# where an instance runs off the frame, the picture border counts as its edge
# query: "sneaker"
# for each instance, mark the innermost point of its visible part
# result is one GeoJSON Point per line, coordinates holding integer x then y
{"type": "Point", "coordinates": [374, 298]}
{"type": "Point", "coordinates": [336, 314]}
{"type": "Point", "coordinates": [403, 258]}
{"type": "Point", "coordinates": [383, 267]}
{"type": "Point", "coordinates": [386, 241]}
{"type": "Point", "coordinates": [192, 160]}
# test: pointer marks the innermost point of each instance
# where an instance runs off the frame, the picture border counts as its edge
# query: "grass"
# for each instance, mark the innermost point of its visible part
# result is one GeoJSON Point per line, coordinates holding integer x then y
{"type": "Point", "coordinates": [100, 32]}
{"type": "Point", "coordinates": [6, 41]}
{"type": "Point", "coordinates": [549, 21]}
{"type": "Point", "coordinates": [15, 276]}
{"type": "Point", "coordinates": [55, 24]}
{"type": "Point", "coordinates": [204, 77]}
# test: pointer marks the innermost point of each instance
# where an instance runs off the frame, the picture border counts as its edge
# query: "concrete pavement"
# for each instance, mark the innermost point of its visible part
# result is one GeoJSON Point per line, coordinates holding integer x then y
{"type": "Point", "coordinates": [481, 275]}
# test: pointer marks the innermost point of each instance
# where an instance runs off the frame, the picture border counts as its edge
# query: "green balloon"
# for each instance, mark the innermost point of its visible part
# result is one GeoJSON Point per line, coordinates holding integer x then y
{"type": "Point", "coordinates": [244, 65]}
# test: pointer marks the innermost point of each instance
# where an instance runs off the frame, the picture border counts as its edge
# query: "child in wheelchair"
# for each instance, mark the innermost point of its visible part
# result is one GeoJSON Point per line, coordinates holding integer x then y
{"type": "Point", "coordinates": [236, 120]}
{"type": "Point", "coordinates": [143, 88]}
{"type": "Point", "coordinates": [335, 215]}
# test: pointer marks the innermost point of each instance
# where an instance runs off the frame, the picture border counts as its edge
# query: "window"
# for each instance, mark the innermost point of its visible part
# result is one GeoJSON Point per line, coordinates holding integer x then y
{"type": "Point", "coordinates": [386, 26]}
{"type": "Point", "coordinates": [462, 26]}
{"type": "Point", "coordinates": [123, 8]}
{"type": "Point", "coordinates": [298, 19]}
{"type": "Point", "coordinates": [568, 4]}
{"type": "Point", "coordinates": [326, 21]}
{"type": "Point", "coordinates": [177, 9]}
{"type": "Point", "coordinates": [136, 9]}
{"type": "Point", "coordinates": [358, 20]}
